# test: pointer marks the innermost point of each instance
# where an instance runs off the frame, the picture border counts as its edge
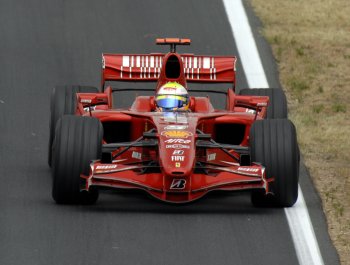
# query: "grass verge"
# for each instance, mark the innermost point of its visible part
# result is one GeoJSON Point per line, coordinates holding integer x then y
{"type": "Point", "coordinates": [311, 43]}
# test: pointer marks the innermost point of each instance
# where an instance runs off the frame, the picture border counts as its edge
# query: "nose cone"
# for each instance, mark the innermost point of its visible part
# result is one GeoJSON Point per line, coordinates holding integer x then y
{"type": "Point", "coordinates": [177, 153]}
{"type": "Point", "coordinates": [177, 131]}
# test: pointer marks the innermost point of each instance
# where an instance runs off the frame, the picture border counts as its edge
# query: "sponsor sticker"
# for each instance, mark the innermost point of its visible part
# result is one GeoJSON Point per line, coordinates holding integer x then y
{"type": "Point", "coordinates": [136, 155]}
{"type": "Point", "coordinates": [176, 134]}
{"type": "Point", "coordinates": [211, 157]}
{"type": "Point", "coordinates": [178, 184]}
{"type": "Point", "coordinates": [178, 158]}
{"type": "Point", "coordinates": [177, 146]}
{"type": "Point", "coordinates": [177, 141]}
{"type": "Point", "coordinates": [248, 169]}
{"type": "Point", "coordinates": [171, 89]}
{"type": "Point", "coordinates": [178, 152]}
{"type": "Point", "coordinates": [106, 167]}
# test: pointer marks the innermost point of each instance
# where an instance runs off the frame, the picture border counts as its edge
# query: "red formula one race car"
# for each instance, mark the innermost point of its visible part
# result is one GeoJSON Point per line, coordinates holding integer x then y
{"type": "Point", "coordinates": [174, 146]}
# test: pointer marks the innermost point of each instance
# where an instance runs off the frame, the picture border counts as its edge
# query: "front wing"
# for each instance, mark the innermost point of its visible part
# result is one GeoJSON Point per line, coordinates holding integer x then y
{"type": "Point", "coordinates": [130, 172]}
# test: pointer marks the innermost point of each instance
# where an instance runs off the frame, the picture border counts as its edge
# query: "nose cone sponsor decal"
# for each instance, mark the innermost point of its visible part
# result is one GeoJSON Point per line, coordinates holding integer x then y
{"type": "Point", "coordinates": [176, 134]}
{"type": "Point", "coordinates": [178, 158]}
{"type": "Point", "coordinates": [178, 152]}
{"type": "Point", "coordinates": [177, 146]}
{"type": "Point", "coordinates": [177, 141]}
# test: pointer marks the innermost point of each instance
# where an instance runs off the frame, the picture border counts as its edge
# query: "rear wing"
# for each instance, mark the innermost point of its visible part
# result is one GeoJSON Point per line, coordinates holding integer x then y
{"type": "Point", "coordinates": [147, 67]}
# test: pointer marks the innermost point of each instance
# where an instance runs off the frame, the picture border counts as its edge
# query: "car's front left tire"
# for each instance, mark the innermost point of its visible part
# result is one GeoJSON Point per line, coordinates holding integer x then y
{"type": "Point", "coordinates": [78, 141]}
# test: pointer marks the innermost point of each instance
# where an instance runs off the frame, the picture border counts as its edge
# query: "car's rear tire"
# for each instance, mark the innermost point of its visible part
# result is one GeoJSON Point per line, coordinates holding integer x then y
{"type": "Point", "coordinates": [78, 140]}
{"type": "Point", "coordinates": [63, 102]}
{"type": "Point", "coordinates": [274, 145]}
{"type": "Point", "coordinates": [277, 108]}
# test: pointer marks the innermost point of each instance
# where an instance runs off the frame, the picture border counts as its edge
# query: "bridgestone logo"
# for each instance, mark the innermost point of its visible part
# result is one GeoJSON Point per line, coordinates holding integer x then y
{"type": "Point", "coordinates": [178, 184]}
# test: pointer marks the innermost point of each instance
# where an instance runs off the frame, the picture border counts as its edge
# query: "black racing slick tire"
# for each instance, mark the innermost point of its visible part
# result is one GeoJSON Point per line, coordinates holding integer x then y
{"type": "Point", "coordinates": [78, 141]}
{"type": "Point", "coordinates": [277, 108]}
{"type": "Point", "coordinates": [63, 102]}
{"type": "Point", "coordinates": [274, 145]}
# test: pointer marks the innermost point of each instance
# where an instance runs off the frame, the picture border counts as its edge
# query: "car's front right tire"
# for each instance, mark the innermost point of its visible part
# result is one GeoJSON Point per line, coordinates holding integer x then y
{"type": "Point", "coordinates": [274, 144]}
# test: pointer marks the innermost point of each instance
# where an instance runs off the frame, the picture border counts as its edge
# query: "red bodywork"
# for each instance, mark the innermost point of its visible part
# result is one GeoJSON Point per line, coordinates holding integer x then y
{"type": "Point", "coordinates": [174, 156]}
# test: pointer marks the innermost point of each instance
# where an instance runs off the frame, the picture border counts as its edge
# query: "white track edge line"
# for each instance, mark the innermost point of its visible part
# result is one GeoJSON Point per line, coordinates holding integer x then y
{"type": "Point", "coordinates": [302, 231]}
{"type": "Point", "coordinates": [298, 218]}
{"type": "Point", "coordinates": [245, 43]}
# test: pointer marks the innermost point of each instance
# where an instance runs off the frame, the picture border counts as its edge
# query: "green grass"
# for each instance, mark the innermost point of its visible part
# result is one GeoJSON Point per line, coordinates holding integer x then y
{"type": "Point", "coordinates": [300, 51]}
{"type": "Point", "coordinates": [338, 107]}
{"type": "Point", "coordinates": [318, 108]}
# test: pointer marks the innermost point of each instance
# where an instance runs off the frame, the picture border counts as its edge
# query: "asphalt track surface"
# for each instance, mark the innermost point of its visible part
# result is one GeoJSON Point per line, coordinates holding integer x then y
{"type": "Point", "coordinates": [48, 43]}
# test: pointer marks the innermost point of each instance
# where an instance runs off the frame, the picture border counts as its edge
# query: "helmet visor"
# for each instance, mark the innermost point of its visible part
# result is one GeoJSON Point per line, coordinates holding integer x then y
{"type": "Point", "coordinates": [171, 101]}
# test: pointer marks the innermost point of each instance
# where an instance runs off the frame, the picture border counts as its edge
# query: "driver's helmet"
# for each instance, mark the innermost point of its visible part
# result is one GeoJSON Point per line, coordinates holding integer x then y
{"type": "Point", "coordinates": [171, 97]}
